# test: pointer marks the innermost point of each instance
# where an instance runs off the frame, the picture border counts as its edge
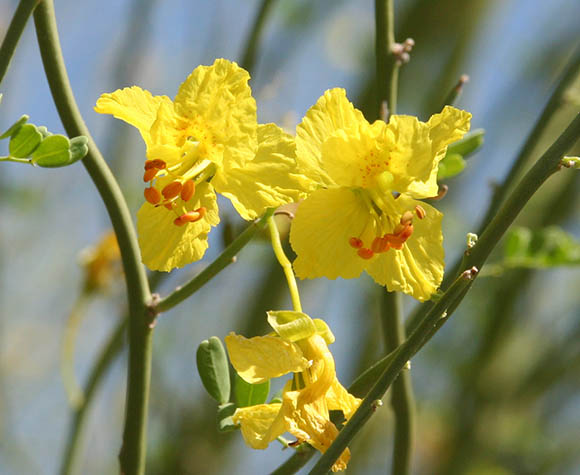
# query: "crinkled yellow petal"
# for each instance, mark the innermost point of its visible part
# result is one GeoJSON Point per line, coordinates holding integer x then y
{"type": "Point", "coordinates": [332, 112]}
{"type": "Point", "coordinates": [322, 373]}
{"type": "Point", "coordinates": [310, 423]}
{"type": "Point", "coordinates": [339, 399]}
{"type": "Point", "coordinates": [355, 156]}
{"type": "Point", "coordinates": [444, 128]}
{"type": "Point", "coordinates": [269, 180]}
{"type": "Point", "coordinates": [134, 105]}
{"type": "Point", "coordinates": [321, 230]}
{"type": "Point", "coordinates": [416, 269]}
{"type": "Point", "coordinates": [261, 358]}
{"type": "Point", "coordinates": [165, 246]}
{"type": "Point", "coordinates": [220, 98]}
{"type": "Point", "coordinates": [257, 424]}
{"type": "Point", "coordinates": [165, 128]}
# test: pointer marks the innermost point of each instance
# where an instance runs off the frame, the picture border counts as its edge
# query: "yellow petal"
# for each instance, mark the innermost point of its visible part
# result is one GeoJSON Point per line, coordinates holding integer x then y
{"type": "Point", "coordinates": [269, 180]}
{"type": "Point", "coordinates": [257, 424]}
{"type": "Point", "coordinates": [165, 246]}
{"type": "Point", "coordinates": [321, 230]}
{"type": "Point", "coordinates": [219, 97]}
{"type": "Point", "coordinates": [165, 128]}
{"type": "Point", "coordinates": [134, 105]}
{"type": "Point", "coordinates": [332, 112]}
{"type": "Point", "coordinates": [444, 128]}
{"type": "Point", "coordinates": [261, 358]}
{"type": "Point", "coordinates": [417, 269]}
{"type": "Point", "coordinates": [339, 399]}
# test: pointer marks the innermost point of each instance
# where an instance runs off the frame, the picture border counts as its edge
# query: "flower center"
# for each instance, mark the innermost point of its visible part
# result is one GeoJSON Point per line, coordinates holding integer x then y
{"type": "Point", "coordinates": [174, 186]}
{"type": "Point", "coordinates": [393, 240]}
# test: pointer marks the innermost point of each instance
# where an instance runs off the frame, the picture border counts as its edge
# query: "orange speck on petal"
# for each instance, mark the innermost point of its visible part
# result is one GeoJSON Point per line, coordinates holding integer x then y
{"type": "Point", "coordinates": [150, 174]}
{"type": "Point", "coordinates": [172, 190]}
{"type": "Point", "coordinates": [152, 195]}
{"type": "Point", "coordinates": [355, 242]}
{"type": "Point", "coordinates": [188, 190]}
{"type": "Point", "coordinates": [156, 163]}
{"type": "Point", "coordinates": [365, 253]}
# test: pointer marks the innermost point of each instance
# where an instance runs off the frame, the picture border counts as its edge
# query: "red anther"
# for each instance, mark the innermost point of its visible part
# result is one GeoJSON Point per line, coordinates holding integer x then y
{"type": "Point", "coordinates": [157, 163]}
{"type": "Point", "coordinates": [150, 174]}
{"type": "Point", "coordinates": [152, 195]}
{"type": "Point", "coordinates": [172, 190]}
{"type": "Point", "coordinates": [420, 211]}
{"type": "Point", "coordinates": [188, 190]}
{"type": "Point", "coordinates": [407, 218]}
{"type": "Point", "coordinates": [406, 232]}
{"type": "Point", "coordinates": [365, 253]}
{"type": "Point", "coordinates": [380, 244]}
{"type": "Point", "coordinates": [355, 242]}
{"type": "Point", "coordinates": [178, 221]}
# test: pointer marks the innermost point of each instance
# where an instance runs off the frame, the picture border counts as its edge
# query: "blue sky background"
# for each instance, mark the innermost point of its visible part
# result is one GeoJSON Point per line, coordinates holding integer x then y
{"type": "Point", "coordinates": [48, 216]}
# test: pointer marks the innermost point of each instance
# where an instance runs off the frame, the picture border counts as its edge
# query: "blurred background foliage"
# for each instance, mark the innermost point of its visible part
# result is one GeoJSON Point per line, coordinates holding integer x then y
{"type": "Point", "coordinates": [497, 390]}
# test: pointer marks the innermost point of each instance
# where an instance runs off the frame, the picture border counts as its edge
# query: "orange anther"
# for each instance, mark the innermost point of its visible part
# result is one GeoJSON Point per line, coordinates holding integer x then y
{"type": "Point", "coordinates": [365, 253]}
{"type": "Point", "coordinates": [420, 212]}
{"type": "Point", "coordinates": [188, 190]}
{"type": "Point", "coordinates": [150, 174]}
{"type": "Point", "coordinates": [190, 217]}
{"type": "Point", "coordinates": [407, 232]}
{"type": "Point", "coordinates": [355, 242]}
{"type": "Point", "coordinates": [380, 244]}
{"type": "Point", "coordinates": [201, 211]}
{"type": "Point", "coordinates": [406, 218]}
{"type": "Point", "coordinates": [178, 221]}
{"type": "Point", "coordinates": [169, 206]}
{"type": "Point", "coordinates": [157, 163]}
{"type": "Point", "coordinates": [152, 195]}
{"type": "Point", "coordinates": [172, 190]}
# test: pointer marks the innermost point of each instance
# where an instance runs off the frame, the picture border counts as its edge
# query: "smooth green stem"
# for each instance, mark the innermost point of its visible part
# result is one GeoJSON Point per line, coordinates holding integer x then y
{"type": "Point", "coordinates": [285, 263]}
{"type": "Point", "coordinates": [106, 357]}
{"type": "Point", "coordinates": [72, 388]}
{"type": "Point", "coordinates": [402, 355]}
{"type": "Point", "coordinates": [455, 92]}
{"type": "Point", "coordinates": [387, 73]}
{"type": "Point", "coordinates": [440, 312]}
{"type": "Point", "coordinates": [223, 260]}
{"type": "Point", "coordinates": [132, 455]}
{"type": "Point", "coordinates": [402, 400]}
{"type": "Point", "coordinates": [500, 192]}
{"type": "Point", "coordinates": [16, 160]}
{"type": "Point", "coordinates": [14, 32]}
{"type": "Point", "coordinates": [251, 47]}
{"type": "Point", "coordinates": [300, 458]}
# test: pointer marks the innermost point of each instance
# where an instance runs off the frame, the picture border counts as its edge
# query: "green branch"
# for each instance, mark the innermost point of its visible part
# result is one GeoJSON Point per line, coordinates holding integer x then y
{"type": "Point", "coordinates": [132, 455]}
{"type": "Point", "coordinates": [223, 260]}
{"type": "Point", "coordinates": [387, 68]}
{"type": "Point", "coordinates": [251, 47]}
{"type": "Point", "coordinates": [440, 312]}
{"type": "Point", "coordinates": [14, 32]}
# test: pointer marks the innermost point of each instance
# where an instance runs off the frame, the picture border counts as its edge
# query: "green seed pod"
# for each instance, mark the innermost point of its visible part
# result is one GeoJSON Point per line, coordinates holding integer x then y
{"type": "Point", "coordinates": [212, 365]}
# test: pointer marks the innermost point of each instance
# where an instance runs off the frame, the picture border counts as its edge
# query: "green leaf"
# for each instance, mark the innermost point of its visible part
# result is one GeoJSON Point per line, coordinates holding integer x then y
{"type": "Point", "coordinates": [14, 127]}
{"type": "Point", "coordinates": [247, 394]}
{"type": "Point", "coordinates": [224, 417]}
{"type": "Point", "coordinates": [212, 365]}
{"type": "Point", "coordinates": [52, 152]}
{"type": "Point", "coordinates": [451, 165]}
{"type": "Point", "coordinates": [24, 141]}
{"type": "Point", "coordinates": [547, 247]}
{"type": "Point", "coordinates": [468, 145]}
{"type": "Point", "coordinates": [79, 147]}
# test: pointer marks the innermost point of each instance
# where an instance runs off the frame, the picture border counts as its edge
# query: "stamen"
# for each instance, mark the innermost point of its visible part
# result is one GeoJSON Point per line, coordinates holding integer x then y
{"type": "Point", "coordinates": [420, 212]}
{"type": "Point", "coordinates": [355, 242]}
{"type": "Point", "coordinates": [365, 253]}
{"type": "Point", "coordinates": [380, 244]}
{"type": "Point", "coordinates": [152, 195]}
{"type": "Point", "coordinates": [190, 217]}
{"type": "Point", "coordinates": [188, 190]}
{"type": "Point", "coordinates": [170, 205]}
{"type": "Point", "coordinates": [407, 218]}
{"type": "Point", "coordinates": [156, 163]}
{"type": "Point", "coordinates": [172, 190]}
{"type": "Point", "coordinates": [150, 174]}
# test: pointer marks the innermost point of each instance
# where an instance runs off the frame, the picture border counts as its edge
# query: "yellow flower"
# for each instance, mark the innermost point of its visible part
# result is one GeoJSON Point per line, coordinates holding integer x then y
{"type": "Point", "coordinates": [365, 214]}
{"type": "Point", "coordinates": [206, 140]}
{"type": "Point", "coordinates": [101, 263]}
{"type": "Point", "coordinates": [299, 346]}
